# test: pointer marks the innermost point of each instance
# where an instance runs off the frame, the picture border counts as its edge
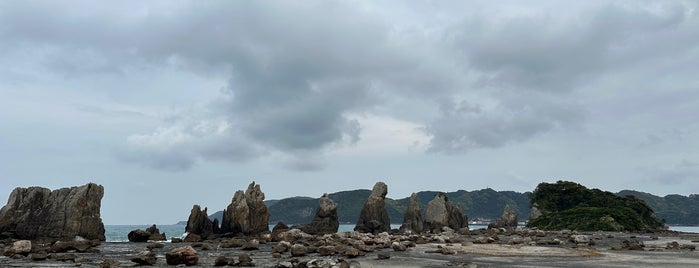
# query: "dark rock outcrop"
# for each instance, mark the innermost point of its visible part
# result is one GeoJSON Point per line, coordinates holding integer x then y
{"type": "Point", "coordinates": [412, 219]}
{"type": "Point", "coordinates": [374, 217]}
{"type": "Point", "coordinates": [145, 258]}
{"type": "Point", "coordinates": [138, 235]}
{"type": "Point", "coordinates": [325, 221]}
{"type": "Point", "coordinates": [441, 213]}
{"type": "Point", "coordinates": [39, 213]}
{"type": "Point", "coordinates": [199, 222]}
{"type": "Point", "coordinates": [507, 221]}
{"type": "Point", "coordinates": [155, 234]}
{"type": "Point", "coordinates": [247, 213]}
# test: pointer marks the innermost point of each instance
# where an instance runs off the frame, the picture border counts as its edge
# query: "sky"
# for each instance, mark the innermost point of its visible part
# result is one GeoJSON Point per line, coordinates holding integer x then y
{"type": "Point", "coordinates": [173, 103]}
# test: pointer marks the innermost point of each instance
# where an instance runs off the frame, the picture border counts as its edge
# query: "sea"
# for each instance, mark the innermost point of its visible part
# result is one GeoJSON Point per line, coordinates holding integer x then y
{"type": "Point", "coordinates": [118, 233]}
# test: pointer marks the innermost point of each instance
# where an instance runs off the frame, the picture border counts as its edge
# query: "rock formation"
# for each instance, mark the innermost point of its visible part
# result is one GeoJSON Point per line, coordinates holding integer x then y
{"type": "Point", "coordinates": [412, 219]}
{"type": "Point", "coordinates": [508, 220]}
{"type": "Point", "coordinates": [325, 221]}
{"type": "Point", "coordinates": [247, 213]}
{"type": "Point", "coordinates": [199, 222]}
{"type": "Point", "coordinates": [150, 233]}
{"type": "Point", "coordinates": [374, 217]}
{"type": "Point", "coordinates": [38, 213]}
{"type": "Point", "coordinates": [440, 213]}
{"type": "Point", "coordinates": [155, 234]}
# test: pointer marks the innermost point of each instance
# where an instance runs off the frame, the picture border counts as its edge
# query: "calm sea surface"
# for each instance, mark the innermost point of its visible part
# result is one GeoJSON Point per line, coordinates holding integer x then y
{"type": "Point", "coordinates": [118, 233]}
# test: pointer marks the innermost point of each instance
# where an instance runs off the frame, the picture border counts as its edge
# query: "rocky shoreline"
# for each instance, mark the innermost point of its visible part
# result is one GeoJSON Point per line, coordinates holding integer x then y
{"type": "Point", "coordinates": [475, 248]}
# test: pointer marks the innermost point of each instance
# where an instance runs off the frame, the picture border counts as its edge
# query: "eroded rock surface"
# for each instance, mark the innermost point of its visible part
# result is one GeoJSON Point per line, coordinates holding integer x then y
{"type": "Point", "coordinates": [39, 213]}
{"type": "Point", "coordinates": [199, 223]}
{"type": "Point", "coordinates": [412, 219]}
{"type": "Point", "coordinates": [374, 217]}
{"type": "Point", "coordinates": [247, 213]}
{"type": "Point", "coordinates": [325, 221]}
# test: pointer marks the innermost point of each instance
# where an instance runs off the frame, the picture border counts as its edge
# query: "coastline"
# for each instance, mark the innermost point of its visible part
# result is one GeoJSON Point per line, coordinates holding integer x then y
{"type": "Point", "coordinates": [439, 250]}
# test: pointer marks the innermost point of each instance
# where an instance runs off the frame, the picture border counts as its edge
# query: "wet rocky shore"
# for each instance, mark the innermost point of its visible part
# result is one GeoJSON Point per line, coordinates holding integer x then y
{"type": "Point", "coordinates": [449, 248]}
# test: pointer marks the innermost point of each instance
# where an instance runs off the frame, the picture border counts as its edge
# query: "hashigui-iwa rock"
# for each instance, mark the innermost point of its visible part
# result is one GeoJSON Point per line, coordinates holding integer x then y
{"type": "Point", "coordinates": [38, 213]}
{"type": "Point", "coordinates": [325, 221]}
{"type": "Point", "coordinates": [374, 217]}
{"type": "Point", "coordinates": [508, 220]}
{"type": "Point", "coordinates": [412, 219]}
{"type": "Point", "coordinates": [247, 213]}
{"type": "Point", "coordinates": [441, 213]}
{"type": "Point", "coordinates": [199, 222]}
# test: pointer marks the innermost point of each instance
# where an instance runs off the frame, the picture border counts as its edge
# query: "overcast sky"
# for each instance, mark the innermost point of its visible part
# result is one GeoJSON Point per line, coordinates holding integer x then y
{"type": "Point", "coordinates": [174, 103]}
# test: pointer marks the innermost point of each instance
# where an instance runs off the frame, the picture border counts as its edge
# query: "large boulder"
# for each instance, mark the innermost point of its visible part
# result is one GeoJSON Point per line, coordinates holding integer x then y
{"type": "Point", "coordinates": [325, 221]}
{"type": "Point", "coordinates": [199, 222]}
{"type": "Point", "coordinates": [183, 255]}
{"type": "Point", "coordinates": [247, 213]}
{"type": "Point", "coordinates": [508, 220]}
{"type": "Point", "coordinates": [412, 219]}
{"type": "Point", "coordinates": [374, 217]}
{"type": "Point", "coordinates": [138, 235]}
{"type": "Point", "coordinates": [38, 213]}
{"type": "Point", "coordinates": [441, 213]}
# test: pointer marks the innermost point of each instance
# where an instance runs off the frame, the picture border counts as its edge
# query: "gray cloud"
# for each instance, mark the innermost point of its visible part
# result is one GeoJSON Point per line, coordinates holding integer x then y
{"type": "Point", "coordinates": [490, 78]}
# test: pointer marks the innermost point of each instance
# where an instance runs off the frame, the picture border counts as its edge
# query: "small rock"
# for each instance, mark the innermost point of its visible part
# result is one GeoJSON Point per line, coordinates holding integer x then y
{"type": "Point", "coordinates": [281, 247]}
{"type": "Point", "coordinates": [285, 264]}
{"type": "Point", "coordinates": [63, 257]}
{"type": "Point", "coordinates": [183, 255]}
{"type": "Point", "coordinates": [654, 237]}
{"type": "Point", "coordinates": [109, 263]}
{"type": "Point", "coordinates": [251, 245]}
{"type": "Point", "coordinates": [40, 256]}
{"type": "Point", "coordinates": [688, 247]}
{"type": "Point", "coordinates": [326, 250]}
{"type": "Point", "coordinates": [192, 238]}
{"type": "Point", "coordinates": [145, 258]}
{"type": "Point", "coordinates": [383, 256]}
{"type": "Point", "coordinates": [244, 260]}
{"type": "Point", "coordinates": [672, 245]}
{"type": "Point", "coordinates": [175, 240]}
{"type": "Point", "coordinates": [276, 255]}
{"type": "Point", "coordinates": [397, 246]}
{"type": "Point", "coordinates": [23, 247]}
{"type": "Point", "coordinates": [223, 261]}
{"type": "Point", "coordinates": [298, 250]}
{"type": "Point", "coordinates": [152, 246]}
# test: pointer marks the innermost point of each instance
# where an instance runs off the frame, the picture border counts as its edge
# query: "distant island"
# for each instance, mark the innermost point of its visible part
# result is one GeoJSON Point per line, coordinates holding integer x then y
{"type": "Point", "coordinates": [481, 206]}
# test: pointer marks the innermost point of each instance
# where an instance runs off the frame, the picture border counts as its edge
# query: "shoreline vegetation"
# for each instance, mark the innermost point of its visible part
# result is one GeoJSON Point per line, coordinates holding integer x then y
{"type": "Point", "coordinates": [570, 226]}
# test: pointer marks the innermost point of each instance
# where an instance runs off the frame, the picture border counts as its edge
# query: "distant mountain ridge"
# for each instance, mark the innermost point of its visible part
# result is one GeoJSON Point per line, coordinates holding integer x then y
{"type": "Point", "coordinates": [486, 204]}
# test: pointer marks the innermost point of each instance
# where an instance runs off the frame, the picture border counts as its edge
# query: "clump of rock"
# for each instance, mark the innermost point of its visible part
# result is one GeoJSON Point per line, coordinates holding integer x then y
{"type": "Point", "coordinates": [441, 213]}
{"type": "Point", "coordinates": [247, 213]}
{"type": "Point", "coordinates": [325, 220]}
{"type": "Point", "coordinates": [374, 217]}
{"type": "Point", "coordinates": [182, 255]}
{"type": "Point", "coordinates": [507, 221]}
{"type": "Point", "coordinates": [412, 219]}
{"type": "Point", "coordinates": [39, 213]}
{"type": "Point", "coordinates": [151, 233]}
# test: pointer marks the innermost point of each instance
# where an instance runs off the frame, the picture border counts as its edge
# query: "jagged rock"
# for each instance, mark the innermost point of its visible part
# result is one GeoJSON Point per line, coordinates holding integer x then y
{"type": "Point", "coordinates": [412, 219]}
{"type": "Point", "coordinates": [440, 213]}
{"type": "Point", "coordinates": [155, 234]}
{"type": "Point", "coordinates": [508, 220]}
{"type": "Point", "coordinates": [374, 217]}
{"type": "Point", "coordinates": [247, 213]}
{"type": "Point", "coordinates": [138, 236]}
{"type": "Point", "coordinates": [193, 238]}
{"type": "Point", "coordinates": [22, 247]}
{"type": "Point", "coordinates": [35, 213]}
{"type": "Point", "coordinates": [144, 258]}
{"type": "Point", "coordinates": [199, 222]}
{"type": "Point", "coordinates": [182, 255]}
{"type": "Point", "coordinates": [325, 221]}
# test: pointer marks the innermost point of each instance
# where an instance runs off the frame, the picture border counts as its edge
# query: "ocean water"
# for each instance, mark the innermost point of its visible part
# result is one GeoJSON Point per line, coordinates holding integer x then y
{"type": "Point", "coordinates": [119, 233]}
